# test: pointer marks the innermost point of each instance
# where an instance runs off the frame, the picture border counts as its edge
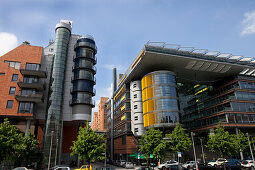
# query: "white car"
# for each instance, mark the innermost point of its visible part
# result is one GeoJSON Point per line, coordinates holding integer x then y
{"type": "Point", "coordinates": [218, 162]}
{"type": "Point", "coordinates": [167, 164]}
{"type": "Point", "coordinates": [129, 165]}
{"type": "Point", "coordinates": [21, 168]}
{"type": "Point", "coordinates": [247, 164]}
{"type": "Point", "coordinates": [189, 164]}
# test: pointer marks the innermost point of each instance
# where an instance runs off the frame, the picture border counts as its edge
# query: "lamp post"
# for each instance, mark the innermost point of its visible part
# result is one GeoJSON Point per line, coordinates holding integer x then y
{"type": "Point", "coordinates": [50, 149]}
{"type": "Point", "coordinates": [56, 154]}
{"type": "Point", "coordinates": [250, 146]}
{"type": "Point", "coordinates": [201, 141]}
{"type": "Point", "coordinates": [192, 134]}
{"type": "Point", "coordinates": [105, 153]}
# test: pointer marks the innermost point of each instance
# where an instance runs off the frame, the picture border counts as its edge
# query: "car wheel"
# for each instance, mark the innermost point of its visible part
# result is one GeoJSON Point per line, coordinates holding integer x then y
{"type": "Point", "coordinates": [215, 165]}
{"type": "Point", "coordinates": [188, 167]}
{"type": "Point", "coordinates": [164, 168]}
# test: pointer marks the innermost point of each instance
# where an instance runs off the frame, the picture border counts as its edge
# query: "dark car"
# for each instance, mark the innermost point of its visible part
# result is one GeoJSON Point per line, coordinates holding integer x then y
{"type": "Point", "coordinates": [232, 164]}
{"type": "Point", "coordinates": [173, 167]}
{"type": "Point", "coordinates": [145, 168]}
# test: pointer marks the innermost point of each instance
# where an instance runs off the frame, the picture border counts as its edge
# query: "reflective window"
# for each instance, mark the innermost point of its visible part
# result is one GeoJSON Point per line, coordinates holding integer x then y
{"type": "Point", "coordinates": [164, 79]}
{"type": "Point", "coordinates": [26, 107]}
{"type": "Point", "coordinates": [12, 90]}
{"type": "Point", "coordinates": [32, 66]}
{"type": "Point", "coordinates": [15, 77]}
{"type": "Point", "coordinates": [167, 104]}
{"type": "Point", "coordinates": [165, 91]}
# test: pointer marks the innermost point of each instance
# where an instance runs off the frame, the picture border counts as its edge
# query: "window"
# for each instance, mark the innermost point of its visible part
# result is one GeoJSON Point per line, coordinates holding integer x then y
{"type": "Point", "coordinates": [32, 66]}
{"type": "Point", "coordinates": [136, 117]}
{"type": "Point", "coordinates": [135, 106]}
{"type": "Point", "coordinates": [2, 74]}
{"type": "Point", "coordinates": [15, 77]}
{"type": "Point", "coordinates": [25, 107]}
{"type": "Point", "coordinates": [13, 64]}
{"type": "Point", "coordinates": [135, 96]}
{"type": "Point", "coordinates": [136, 129]}
{"type": "Point", "coordinates": [9, 104]}
{"type": "Point", "coordinates": [12, 90]}
{"type": "Point", "coordinates": [134, 85]}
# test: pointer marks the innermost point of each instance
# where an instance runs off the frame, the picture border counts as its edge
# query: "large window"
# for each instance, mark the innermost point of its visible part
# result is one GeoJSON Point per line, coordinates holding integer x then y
{"type": "Point", "coordinates": [32, 66]}
{"type": "Point", "coordinates": [9, 104]}
{"type": "Point", "coordinates": [14, 64]}
{"type": "Point", "coordinates": [26, 107]}
{"type": "Point", "coordinates": [30, 79]}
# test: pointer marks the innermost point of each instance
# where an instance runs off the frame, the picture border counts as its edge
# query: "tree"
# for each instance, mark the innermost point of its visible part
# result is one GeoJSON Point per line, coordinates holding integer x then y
{"type": "Point", "coordinates": [223, 143]}
{"type": "Point", "coordinates": [26, 43]}
{"type": "Point", "coordinates": [152, 143]}
{"type": "Point", "coordinates": [14, 145]}
{"type": "Point", "coordinates": [179, 141]}
{"type": "Point", "coordinates": [89, 145]}
{"type": "Point", "coordinates": [242, 141]}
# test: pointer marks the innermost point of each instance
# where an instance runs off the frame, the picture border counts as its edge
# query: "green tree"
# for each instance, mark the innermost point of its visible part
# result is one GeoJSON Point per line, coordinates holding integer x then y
{"type": "Point", "coordinates": [242, 141]}
{"type": "Point", "coordinates": [179, 141]}
{"type": "Point", "coordinates": [26, 43]}
{"type": "Point", "coordinates": [223, 143]}
{"type": "Point", "coordinates": [89, 145]}
{"type": "Point", "coordinates": [152, 143]}
{"type": "Point", "coordinates": [14, 145]}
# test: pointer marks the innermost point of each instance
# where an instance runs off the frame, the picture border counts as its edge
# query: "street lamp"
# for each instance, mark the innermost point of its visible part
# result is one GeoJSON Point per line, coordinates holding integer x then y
{"type": "Point", "coordinates": [201, 141]}
{"type": "Point", "coordinates": [192, 134]}
{"type": "Point", "coordinates": [250, 146]}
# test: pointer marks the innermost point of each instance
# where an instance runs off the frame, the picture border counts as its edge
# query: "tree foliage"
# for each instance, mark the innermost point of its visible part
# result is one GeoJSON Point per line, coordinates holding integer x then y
{"type": "Point", "coordinates": [179, 141]}
{"type": "Point", "coordinates": [14, 145]}
{"type": "Point", "coordinates": [89, 145]}
{"type": "Point", "coordinates": [225, 144]}
{"type": "Point", "coordinates": [152, 143]}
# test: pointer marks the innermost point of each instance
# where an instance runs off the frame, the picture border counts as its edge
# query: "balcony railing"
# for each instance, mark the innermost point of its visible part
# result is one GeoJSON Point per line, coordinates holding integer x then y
{"type": "Point", "coordinates": [94, 69]}
{"type": "Point", "coordinates": [33, 71]}
{"type": "Point", "coordinates": [83, 90]}
{"type": "Point", "coordinates": [36, 97]}
{"type": "Point", "coordinates": [78, 101]}
{"type": "Point", "coordinates": [32, 84]}
{"type": "Point", "coordinates": [84, 78]}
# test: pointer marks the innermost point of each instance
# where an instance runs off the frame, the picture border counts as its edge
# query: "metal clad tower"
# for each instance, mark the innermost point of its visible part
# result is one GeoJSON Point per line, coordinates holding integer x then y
{"type": "Point", "coordinates": [53, 125]}
{"type": "Point", "coordinates": [83, 79]}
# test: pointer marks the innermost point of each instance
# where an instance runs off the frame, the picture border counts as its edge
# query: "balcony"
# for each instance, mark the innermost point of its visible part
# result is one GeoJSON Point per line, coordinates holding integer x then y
{"type": "Point", "coordinates": [83, 90]}
{"type": "Point", "coordinates": [34, 84]}
{"type": "Point", "coordinates": [36, 98]}
{"type": "Point", "coordinates": [78, 101]}
{"type": "Point", "coordinates": [84, 78]}
{"type": "Point", "coordinates": [33, 71]}
{"type": "Point", "coordinates": [93, 58]}
{"type": "Point", "coordinates": [94, 69]}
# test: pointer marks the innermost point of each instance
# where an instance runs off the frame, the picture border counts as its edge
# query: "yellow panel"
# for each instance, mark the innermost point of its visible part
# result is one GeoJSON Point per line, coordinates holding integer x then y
{"type": "Point", "coordinates": [120, 92]}
{"type": "Point", "coordinates": [143, 83]}
{"type": "Point", "coordinates": [145, 120]}
{"type": "Point", "coordinates": [151, 117]}
{"type": "Point", "coordinates": [145, 106]}
{"type": "Point", "coordinates": [123, 97]}
{"type": "Point", "coordinates": [123, 117]}
{"type": "Point", "coordinates": [150, 106]}
{"type": "Point", "coordinates": [149, 91]}
{"type": "Point", "coordinates": [148, 80]}
{"type": "Point", "coordinates": [144, 95]}
{"type": "Point", "coordinates": [123, 107]}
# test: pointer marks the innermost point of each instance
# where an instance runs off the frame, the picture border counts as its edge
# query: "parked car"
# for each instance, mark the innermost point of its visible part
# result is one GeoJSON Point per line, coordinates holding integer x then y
{"type": "Point", "coordinates": [145, 168]}
{"type": "Point", "coordinates": [105, 168]}
{"type": "Point", "coordinates": [217, 162]}
{"type": "Point", "coordinates": [21, 168]}
{"type": "Point", "coordinates": [167, 164]}
{"type": "Point", "coordinates": [189, 164]}
{"type": "Point", "coordinates": [122, 163]}
{"type": "Point", "coordinates": [129, 165]}
{"type": "Point", "coordinates": [85, 167]}
{"type": "Point", "coordinates": [62, 168]}
{"type": "Point", "coordinates": [247, 164]}
{"type": "Point", "coordinates": [231, 164]}
{"type": "Point", "coordinates": [173, 167]}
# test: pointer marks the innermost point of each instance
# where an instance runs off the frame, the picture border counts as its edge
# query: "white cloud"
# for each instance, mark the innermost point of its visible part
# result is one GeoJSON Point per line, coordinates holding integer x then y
{"type": "Point", "coordinates": [111, 66]}
{"type": "Point", "coordinates": [8, 42]}
{"type": "Point", "coordinates": [248, 23]}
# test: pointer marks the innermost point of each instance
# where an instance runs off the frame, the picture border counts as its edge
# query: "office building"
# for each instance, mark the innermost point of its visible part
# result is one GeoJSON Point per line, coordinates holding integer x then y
{"type": "Point", "coordinates": [168, 84]}
{"type": "Point", "coordinates": [49, 90]}
{"type": "Point", "coordinates": [100, 118]}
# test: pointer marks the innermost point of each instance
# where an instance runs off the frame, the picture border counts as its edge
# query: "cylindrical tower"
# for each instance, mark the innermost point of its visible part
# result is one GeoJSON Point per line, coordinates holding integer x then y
{"type": "Point", "coordinates": [53, 125]}
{"type": "Point", "coordinates": [137, 126]}
{"type": "Point", "coordinates": [84, 78]}
{"type": "Point", "coordinates": [160, 102]}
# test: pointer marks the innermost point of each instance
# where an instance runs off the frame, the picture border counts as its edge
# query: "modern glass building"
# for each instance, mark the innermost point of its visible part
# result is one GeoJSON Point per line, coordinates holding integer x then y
{"type": "Point", "coordinates": [171, 84]}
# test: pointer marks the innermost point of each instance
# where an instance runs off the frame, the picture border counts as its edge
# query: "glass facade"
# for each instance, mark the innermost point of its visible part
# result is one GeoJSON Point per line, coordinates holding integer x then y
{"type": "Point", "coordinates": [230, 100]}
{"type": "Point", "coordinates": [84, 71]}
{"type": "Point", "coordinates": [160, 102]}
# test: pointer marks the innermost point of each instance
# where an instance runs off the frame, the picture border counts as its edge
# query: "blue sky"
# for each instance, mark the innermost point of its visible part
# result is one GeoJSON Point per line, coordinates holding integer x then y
{"type": "Point", "coordinates": [122, 27]}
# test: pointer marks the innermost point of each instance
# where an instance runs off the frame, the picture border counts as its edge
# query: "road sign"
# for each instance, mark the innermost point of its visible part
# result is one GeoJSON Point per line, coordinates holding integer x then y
{"type": "Point", "coordinates": [179, 154]}
{"type": "Point", "coordinates": [138, 156]}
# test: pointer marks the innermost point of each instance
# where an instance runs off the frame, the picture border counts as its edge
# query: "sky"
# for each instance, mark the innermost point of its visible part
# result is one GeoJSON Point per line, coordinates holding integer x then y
{"type": "Point", "coordinates": [122, 27]}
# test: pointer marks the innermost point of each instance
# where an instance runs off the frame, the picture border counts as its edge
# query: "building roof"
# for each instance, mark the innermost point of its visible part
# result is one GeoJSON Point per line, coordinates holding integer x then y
{"type": "Point", "coordinates": [187, 63]}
